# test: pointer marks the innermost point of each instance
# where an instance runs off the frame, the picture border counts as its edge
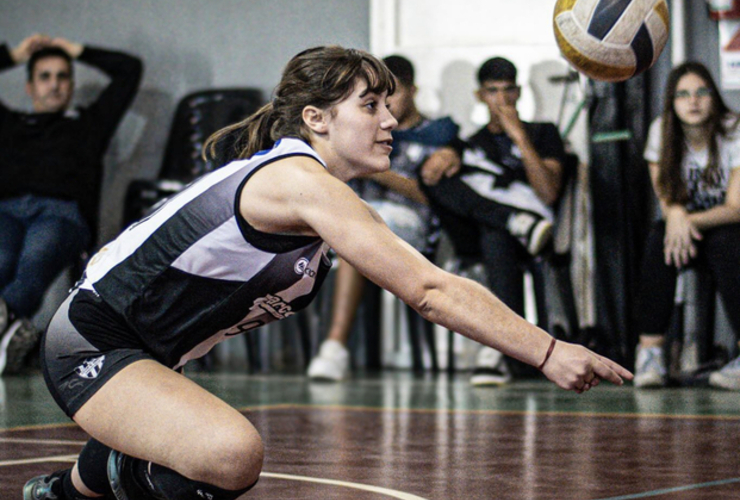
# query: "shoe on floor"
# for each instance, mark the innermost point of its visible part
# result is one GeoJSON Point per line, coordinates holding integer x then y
{"type": "Point", "coordinates": [121, 481]}
{"type": "Point", "coordinates": [533, 231]}
{"type": "Point", "coordinates": [728, 377]}
{"type": "Point", "coordinates": [44, 487]}
{"type": "Point", "coordinates": [331, 364]}
{"type": "Point", "coordinates": [18, 339]}
{"type": "Point", "coordinates": [650, 368]}
{"type": "Point", "coordinates": [490, 368]}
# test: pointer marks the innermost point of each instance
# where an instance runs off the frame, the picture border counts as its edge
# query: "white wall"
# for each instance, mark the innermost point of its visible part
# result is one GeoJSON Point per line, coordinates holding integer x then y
{"type": "Point", "coordinates": [186, 45]}
{"type": "Point", "coordinates": [447, 41]}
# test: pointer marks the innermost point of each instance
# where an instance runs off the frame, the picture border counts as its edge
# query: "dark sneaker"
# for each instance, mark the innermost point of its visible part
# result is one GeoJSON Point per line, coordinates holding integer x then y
{"type": "Point", "coordinates": [17, 340]}
{"type": "Point", "coordinates": [490, 368]}
{"type": "Point", "coordinates": [123, 485]}
{"type": "Point", "coordinates": [116, 462]}
{"type": "Point", "coordinates": [44, 487]}
{"type": "Point", "coordinates": [532, 231]}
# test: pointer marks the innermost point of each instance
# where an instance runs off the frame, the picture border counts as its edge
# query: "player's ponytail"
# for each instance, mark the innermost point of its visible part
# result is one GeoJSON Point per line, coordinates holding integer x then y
{"type": "Point", "coordinates": [321, 77]}
{"type": "Point", "coordinates": [242, 139]}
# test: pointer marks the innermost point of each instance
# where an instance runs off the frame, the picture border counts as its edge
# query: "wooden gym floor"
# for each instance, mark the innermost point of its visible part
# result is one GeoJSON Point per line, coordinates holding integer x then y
{"type": "Point", "coordinates": [434, 437]}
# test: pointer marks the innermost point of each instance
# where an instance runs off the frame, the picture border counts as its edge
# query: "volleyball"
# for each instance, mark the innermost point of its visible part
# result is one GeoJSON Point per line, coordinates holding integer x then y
{"type": "Point", "coordinates": [611, 40]}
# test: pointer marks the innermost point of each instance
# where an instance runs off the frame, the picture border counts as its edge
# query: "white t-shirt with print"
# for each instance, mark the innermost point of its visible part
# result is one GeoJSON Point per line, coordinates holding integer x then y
{"type": "Point", "coordinates": [702, 196]}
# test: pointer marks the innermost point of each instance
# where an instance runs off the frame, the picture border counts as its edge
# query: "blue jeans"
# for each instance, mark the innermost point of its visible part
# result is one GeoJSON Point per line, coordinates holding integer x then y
{"type": "Point", "coordinates": [39, 237]}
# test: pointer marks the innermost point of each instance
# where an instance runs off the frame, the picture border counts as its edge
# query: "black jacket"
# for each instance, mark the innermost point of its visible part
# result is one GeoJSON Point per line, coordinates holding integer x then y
{"type": "Point", "coordinates": [60, 155]}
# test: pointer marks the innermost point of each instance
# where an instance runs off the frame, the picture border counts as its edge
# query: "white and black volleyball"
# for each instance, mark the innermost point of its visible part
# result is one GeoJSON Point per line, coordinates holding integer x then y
{"type": "Point", "coordinates": [611, 40]}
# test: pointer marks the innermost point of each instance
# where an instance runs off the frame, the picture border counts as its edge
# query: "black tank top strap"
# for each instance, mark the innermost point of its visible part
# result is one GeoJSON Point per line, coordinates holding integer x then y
{"type": "Point", "coordinates": [269, 242]}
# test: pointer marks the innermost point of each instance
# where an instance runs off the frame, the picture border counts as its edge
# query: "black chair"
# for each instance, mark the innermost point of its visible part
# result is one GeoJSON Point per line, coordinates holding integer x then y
{"type": "Point", "coordinates": [197, 116]}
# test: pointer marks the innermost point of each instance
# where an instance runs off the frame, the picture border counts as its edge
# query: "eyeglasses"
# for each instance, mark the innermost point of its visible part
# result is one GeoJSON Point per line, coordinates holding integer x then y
{"type": "Point", "coordinates": [698, 93]}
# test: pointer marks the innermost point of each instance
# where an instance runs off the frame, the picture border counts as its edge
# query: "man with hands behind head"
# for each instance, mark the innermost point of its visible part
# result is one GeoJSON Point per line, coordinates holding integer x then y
{"type": "Point", "coordinates": [50, 174]}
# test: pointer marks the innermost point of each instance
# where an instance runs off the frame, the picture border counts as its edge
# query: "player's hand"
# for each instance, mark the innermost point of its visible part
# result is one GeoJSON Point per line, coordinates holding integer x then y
{"type": "Point", "coordinates": [576, 368]}
{"type": "Point", "coordinates": [23, 51]}
{"type": "Point", "coordinates": [74, 49]}
{"type": "Point", "coordinates": [444, 162]}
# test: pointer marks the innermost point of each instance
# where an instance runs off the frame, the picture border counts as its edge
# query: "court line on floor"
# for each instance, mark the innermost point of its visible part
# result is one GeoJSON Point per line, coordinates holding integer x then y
{"type": "Point", "coordinates": [357, 486]}
{"type": "Point", "coordinates": [63, 442]}
{"type": "Point", "coordinates": [509, 413]}
{"type": "Point", "coordinates": [39, 460]}
{"type": "Point", "coordinates": [677, 489]}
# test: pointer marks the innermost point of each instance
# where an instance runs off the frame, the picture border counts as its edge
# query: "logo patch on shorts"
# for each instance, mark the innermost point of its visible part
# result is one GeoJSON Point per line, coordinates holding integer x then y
{"type": "Point", "coordinates": [91, 367]}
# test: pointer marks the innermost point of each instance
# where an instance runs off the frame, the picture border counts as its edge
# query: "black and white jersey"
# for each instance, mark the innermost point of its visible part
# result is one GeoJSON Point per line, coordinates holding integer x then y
{"type": "Point", "coordinates": [195, 272]}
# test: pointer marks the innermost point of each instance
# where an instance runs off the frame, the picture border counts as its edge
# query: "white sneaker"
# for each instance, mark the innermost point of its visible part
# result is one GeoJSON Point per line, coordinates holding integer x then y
{"type": "Point", "coordinates": [650, 367]}
{"type": "Point", "coordinates": [728, 377]}
{"type": "Point", "coordinates": [16, 342]}
{"type": "Point", "coordinates": [332, 362]}
{"type": "Point", "coordinates": [490, 368]}
{"type": "Point", "coordinates": [533, 231]}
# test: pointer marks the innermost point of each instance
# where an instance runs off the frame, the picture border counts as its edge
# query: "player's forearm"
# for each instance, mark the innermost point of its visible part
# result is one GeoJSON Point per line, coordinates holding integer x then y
{"type": "Point", "coordinates": [468, 308]}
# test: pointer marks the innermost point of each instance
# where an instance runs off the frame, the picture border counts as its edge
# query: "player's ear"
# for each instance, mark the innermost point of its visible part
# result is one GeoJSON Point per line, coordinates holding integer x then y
{"type": "Point", "coordinates": [315, 119]}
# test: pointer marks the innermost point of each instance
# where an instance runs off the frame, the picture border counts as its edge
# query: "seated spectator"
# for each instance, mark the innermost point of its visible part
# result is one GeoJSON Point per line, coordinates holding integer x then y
{"type": "Point", "coordinates": [51, 170]}
{"type": "Point", "coordinates": [693, 152]}
{"type": "Point", "coordinates": [494, 195]}
{"type": "Point", "coordinates": [397, 197]}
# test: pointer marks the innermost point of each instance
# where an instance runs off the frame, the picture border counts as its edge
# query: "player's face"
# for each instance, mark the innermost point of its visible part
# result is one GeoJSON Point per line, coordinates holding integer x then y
{"type": "Point", "coordinates": [51, 86]}
{"type": "Point", "coordinates": [401, 102]}
{"type": "Point", "coordinates": [693, 100]}
{"type": "Point", "coordinates": [359, 131]}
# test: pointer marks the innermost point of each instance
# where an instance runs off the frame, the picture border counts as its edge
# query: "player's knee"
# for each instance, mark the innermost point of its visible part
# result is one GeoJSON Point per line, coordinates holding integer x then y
{"type": "Point", "coordinates": [237, 461]}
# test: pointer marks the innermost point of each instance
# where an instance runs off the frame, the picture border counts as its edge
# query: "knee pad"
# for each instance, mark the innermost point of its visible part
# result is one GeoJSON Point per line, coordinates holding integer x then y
{"type": "Point", "coordinates": [134, 479]}
{"type": "Point", "coordinates": [174, 486]}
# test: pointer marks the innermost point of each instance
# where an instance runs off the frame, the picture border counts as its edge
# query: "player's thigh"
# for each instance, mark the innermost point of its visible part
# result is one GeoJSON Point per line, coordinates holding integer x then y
{"type": "Point", "coordinates": [154, 413]}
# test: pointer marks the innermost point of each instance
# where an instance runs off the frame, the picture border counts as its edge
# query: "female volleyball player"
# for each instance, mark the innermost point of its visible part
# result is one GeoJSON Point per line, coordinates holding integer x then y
{"type": "Point", "coordinates": [240, 247]}
{"type": "Point", "coordinates": [693, 152]}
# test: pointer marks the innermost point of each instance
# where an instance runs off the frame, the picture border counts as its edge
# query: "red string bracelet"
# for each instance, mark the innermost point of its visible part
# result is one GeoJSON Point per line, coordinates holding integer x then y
{"type": "Point", "coordinates": [549, 352]}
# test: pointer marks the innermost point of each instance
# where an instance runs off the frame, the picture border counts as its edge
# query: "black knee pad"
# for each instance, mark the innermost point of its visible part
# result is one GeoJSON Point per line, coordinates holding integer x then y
{"type": "Point", "coordinates": [174, 486]}
{"type": "Point", "coordinates": [91, 465]}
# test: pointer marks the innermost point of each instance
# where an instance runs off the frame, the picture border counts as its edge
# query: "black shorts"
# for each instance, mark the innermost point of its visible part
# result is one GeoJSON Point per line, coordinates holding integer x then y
{"type": "Point", "coordinates": [76, 358]}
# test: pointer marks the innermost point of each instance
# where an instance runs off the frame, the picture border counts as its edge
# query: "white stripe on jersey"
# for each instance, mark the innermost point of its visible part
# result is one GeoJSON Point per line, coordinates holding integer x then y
{"type": "Point", "coordinates": [135, 235]}
{"type": "Point", "coordinates": [214, 254]}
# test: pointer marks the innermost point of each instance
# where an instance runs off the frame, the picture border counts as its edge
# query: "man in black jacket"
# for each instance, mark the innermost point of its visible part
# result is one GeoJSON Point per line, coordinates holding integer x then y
{"type": "Point", "coordinates": [50, 175]}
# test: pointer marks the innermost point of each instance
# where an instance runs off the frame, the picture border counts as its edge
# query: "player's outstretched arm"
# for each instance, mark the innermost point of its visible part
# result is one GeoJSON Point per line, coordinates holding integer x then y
{"type": "Point", "coordinates": [298, 196]}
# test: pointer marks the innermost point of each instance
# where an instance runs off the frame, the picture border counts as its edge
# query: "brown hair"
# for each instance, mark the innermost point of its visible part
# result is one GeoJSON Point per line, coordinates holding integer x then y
{"type": "Point", "coordinates": [45, 53]}
{"type": "Point", "coordinates": [671, 184]}
{"type": "Point", "coordinates": [321, 77]}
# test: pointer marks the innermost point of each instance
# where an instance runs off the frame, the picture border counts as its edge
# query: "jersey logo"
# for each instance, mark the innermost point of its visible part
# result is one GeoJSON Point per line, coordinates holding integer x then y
{"type": "Point", "coordinates": [300, 266]}
{"type": "Point", "coordinates": [90, 368]}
